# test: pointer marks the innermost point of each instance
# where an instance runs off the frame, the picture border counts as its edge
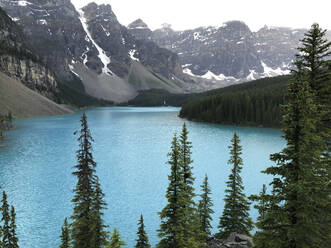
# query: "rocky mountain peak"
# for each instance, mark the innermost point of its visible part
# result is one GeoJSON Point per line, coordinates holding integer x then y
{"type": "Point", "coordinates": [93, 10]}
{"type": "Point", "coordinates": [235, 29]}
{"type": "Point", "coordinates": [138, 24]}
{"type": "Point", "coordinates": [166, 26]}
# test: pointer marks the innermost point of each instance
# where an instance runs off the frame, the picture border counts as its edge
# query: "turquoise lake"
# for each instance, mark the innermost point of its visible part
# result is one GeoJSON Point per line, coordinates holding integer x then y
{"type": "Point", "coordinates": [130, 148]}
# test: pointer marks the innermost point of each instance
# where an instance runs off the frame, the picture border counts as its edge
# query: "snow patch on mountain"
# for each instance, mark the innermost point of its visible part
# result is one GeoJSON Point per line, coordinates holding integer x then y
{"type": "Point", "coordinates": [209, 75]}
{"type": "Point", "coordinates": [102, 54]}
{"type": "Point", "coordinates": [106, 32]}
{"type": "Point", "coordinates": [189, 72]}
{"type": "Point", "coordinates": [221, 77]}
{"type": "Point", "coordinates": [252, 75]}
{"type": "Point", "coordinates": [72, 70]}
{"type": "Point", "coordinates": [23, 3]}
{"type": "Point", "coordinates": [132, 52]}
{"type": "Point", "coordinates": [269, 72]}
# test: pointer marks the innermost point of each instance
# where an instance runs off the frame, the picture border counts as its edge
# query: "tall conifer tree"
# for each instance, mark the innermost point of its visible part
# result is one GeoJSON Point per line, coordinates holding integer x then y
{"type": "Point", "coordinates": [87, 226]}
{"type": "Point", "coordinates": [300, 202]}
{"type": "Point", "coordinates": [13, 235]}
{"type": "Point", "coordinates": [142, 241]}
{"type": "Point", "coordinates": [299, 186]}
{"type": "Point", "coordinates": [65, 235]}
{"type": "Point", "coordinates": [99, 233]}
{"type": "Point", "coordinates": [6, 221]}
{"type": "Point", "coordinates": [235, 217]}
{"type": "Point", "coordinates": [192, 229]}
{"type": "Point", "coordinates": [205, 209]}
{"type": "Point", "coordinates": [172, 216]}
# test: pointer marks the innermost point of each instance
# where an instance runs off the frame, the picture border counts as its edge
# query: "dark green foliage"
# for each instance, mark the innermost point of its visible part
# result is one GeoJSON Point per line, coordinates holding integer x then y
{"type": "Point", "coordinates": [65, 235]}
{"type": "Point", "coordinates": [87, 226]}
{"type": "Point", "coordinates": [235, 217]}
{"type": "Point", "coordinates": [99, 233]}
{"type": "Point", "coordinates": [262, 237]}
{"type": "Point", "coordinates": [172, 216]}
{"type": "Point", "coordinates": [192, 229]}
{"type": "Point", "coordinates": [312, 62]}
{"type": "Point", "coordinates": [205, 209]}
{"type": "Point", "coordinates": [158, 97]}
{"type": "Point", "coordinates": [8, 229]}
{"type": "Point", "coordinates": [298, 184]}
{"type": "Point", "coordinates": [142, 241]}
{"type": "Point", "coordinates": [6, 221]}
{"type": "Point", "coordinates": [297, 213]}
{"type": "Point", "coordinates": [253, 103]}
{"type": "Point", "coordinates": [73, 93]}
{"type": "Point", "coordinates": [13, 237]}
{"type": "Point", "coordinates": [115, 240]}
{"type": "Point", "coordinates": [180, 225]}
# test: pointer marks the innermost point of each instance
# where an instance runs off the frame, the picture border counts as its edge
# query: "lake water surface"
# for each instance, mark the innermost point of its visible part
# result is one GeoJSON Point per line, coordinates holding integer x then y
{"type": "Point", "coordinates": [130, 148]}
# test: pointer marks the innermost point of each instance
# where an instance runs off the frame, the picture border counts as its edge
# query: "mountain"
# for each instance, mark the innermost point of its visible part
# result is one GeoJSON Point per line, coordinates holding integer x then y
{"type": "Point", "coordinates": [20, 101]}
{"type": "Point", "coordinates": [230, 53]}
{"type": "Point", "coordinates": [89, 50]}
{"type": "Point", "coordinates": [18, 61]}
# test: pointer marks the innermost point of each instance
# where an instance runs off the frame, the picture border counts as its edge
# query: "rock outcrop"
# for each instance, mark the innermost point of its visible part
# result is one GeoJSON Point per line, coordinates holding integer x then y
{"type": "Point", "coordinates": [18, 61]}
{"type": "Point", "coordinates": [234, 241]}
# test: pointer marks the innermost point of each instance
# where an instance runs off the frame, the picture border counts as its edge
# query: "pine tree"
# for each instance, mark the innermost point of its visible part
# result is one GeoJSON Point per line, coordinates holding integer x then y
{"type": "Point", "coordinates": [299, 183]}
{"type": "Point", "coordinates": [65, 235]}
{"type": "Point", "coordinates": [142, 241]}
{"type": "Point", "coordinates": [312, 60]}
{"type": "Point", "coordinates": [261, 238]}
{"type": "Point", "coordinates": [13, 236]}
{"type": "Point", "coordinates": [299, 206]}
{"type": "Point", "coordinates": [6, 221]}
{"type": "Point", "coordinates": [235, 217]}
{"type": "Point", "coordinates": [82, 232]}
{"type": "Point", "coordinates": [99, 233]}
{"type": "Point", "coordinates": [115, 240]}
{"type": "Point", "coordinates": [172, 216]}
{"type": "Point", "coordinates": [191, 223]}
{"type": "Point", "coordinates": [205, 209]}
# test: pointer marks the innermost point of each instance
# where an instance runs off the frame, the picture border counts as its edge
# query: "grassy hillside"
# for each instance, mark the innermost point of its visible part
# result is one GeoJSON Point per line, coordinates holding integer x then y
{"type": "Point", "coordinates": [20, 101]}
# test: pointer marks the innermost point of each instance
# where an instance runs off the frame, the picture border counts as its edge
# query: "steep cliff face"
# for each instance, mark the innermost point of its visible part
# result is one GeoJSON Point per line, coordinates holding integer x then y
{"type": "Point", "coordinates": [54, 31]}
{"type": "Point", "coordinates": [122, 47]}
{"type": "Point", "coordinates": [18, 61]}
{"type": "Point", "coordinates": [33, 75]}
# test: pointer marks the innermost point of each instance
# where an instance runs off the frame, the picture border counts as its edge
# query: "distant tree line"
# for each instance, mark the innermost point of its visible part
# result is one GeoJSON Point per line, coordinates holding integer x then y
{"type": "Point", "coordinates": [256, 106]}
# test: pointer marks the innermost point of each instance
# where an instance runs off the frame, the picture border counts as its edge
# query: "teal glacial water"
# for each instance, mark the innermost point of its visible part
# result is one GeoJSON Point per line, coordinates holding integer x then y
{"type": "Point", "coordinates": [130, 148]}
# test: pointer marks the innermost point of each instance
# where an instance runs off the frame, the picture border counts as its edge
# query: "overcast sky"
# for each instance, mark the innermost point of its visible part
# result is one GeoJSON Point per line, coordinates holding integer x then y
{"type": "Point", "coordinates": [188, 14]}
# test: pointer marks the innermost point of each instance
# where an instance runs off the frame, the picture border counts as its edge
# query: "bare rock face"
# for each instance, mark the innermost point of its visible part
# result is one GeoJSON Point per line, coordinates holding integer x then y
{"type": "Point", "coordinates": [227, 50]}
{"type": "Point", "coordinates": [19, 62]}
{"type": "Point", "coordinates": [33, 75]}
{"type": "Point", "coordinates": [235, 240]}
{"type": "Point", "coordinates": [123, 47]}
{"type": "Point", "coordinates": [231, 49]}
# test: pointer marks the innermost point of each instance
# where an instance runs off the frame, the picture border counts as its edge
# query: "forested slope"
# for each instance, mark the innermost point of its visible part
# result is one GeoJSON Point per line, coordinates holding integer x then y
{"type": "Point", "coordinates": [255, 103]}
